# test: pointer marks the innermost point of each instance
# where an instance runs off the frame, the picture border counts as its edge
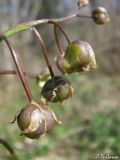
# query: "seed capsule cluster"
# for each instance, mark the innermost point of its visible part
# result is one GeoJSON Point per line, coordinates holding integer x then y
{"type": "Point", "coordinates": [35, 120]}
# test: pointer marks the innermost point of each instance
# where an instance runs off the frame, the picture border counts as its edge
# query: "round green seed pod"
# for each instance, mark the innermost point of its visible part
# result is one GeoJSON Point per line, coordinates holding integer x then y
{"type": "Point", "coordinates": [79, 56]}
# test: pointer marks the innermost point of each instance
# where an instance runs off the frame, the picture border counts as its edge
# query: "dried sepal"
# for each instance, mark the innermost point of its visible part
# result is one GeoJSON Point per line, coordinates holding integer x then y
{"type": "Point", "coordinates": [50, 117]}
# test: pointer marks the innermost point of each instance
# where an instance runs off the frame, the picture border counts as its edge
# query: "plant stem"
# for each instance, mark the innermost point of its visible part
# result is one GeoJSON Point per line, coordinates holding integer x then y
{"type": "Point", "coordinates": [19, 69]}
{"type": "Point", "coordinates": [15, 72]}
{"type": "Point", "coordinates": [83, 15]}
{"type": "Point", "coordinates": [44, 50]}
{"type": "Point", "coordinates": [31, 75]}
{"type": "Point", "coordinates": [62, 30]}
{"type": "Point", "coordinates": [9, 148]}
{"type": "Point", "coordinates": [26, 25]}
{"type": "Point", "coordinates": [56, 25]}
{"type": "Point", "coordinates": [57, 41]}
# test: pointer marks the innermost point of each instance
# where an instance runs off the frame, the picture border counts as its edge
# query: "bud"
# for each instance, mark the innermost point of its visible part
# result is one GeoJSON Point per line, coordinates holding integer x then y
{"type": "Point", "coordinates": [78, 57]}
{"type": "Point", "coordinates": [35, 120]}
{"type": "Point", "coordinates": [57, 89]}
{"type": "Point", "coordinates": [82, 3]}
{"type": "Point", "coordinates": [100, 15]}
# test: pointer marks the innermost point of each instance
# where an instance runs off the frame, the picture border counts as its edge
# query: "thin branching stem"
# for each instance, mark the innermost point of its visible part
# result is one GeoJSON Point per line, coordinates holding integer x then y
{"type": "Point", "coordinates": [28, 74]}
{"type": "Point", "coordinates": [57, 26]}
{"type": "Point", "coordinates": [44, 50]}
{"type": "Point", "coordinates": [57, 41]}
{"type": "Point", "coordinates": [62, 30]}
{"type": "Point", "coordinates": [19, 69]}
{"type": "Point", "coordinates": [9, 148]}
{"type": "Point", "coordinates": [26, 25]}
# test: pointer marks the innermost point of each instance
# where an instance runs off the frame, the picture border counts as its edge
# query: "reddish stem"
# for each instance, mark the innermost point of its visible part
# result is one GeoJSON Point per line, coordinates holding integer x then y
{"type": "Point", "coordinates": [5, 72]}
{"type": "Point", "coordinates": [44, 50]}
{"type": "Point", "coordinates": [62, 30]}
{"type": "Point", "coordinates": [9, 148]}
{"type": "Point", "coordinates": [19, 69]}
{"type": "Point", "coordinates": [57, 39]}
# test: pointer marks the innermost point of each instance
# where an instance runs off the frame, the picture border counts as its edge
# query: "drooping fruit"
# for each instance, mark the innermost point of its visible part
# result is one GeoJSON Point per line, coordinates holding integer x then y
{"type": "Point", "coordinates": [57, 89]}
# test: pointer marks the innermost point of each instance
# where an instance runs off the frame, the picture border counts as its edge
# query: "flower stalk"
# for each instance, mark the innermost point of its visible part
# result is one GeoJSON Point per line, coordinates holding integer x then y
{"type": "Point", "coordinates": [9, 148]}
{"type": "Point", "coordinates": [27, 25]}
{"type": "Point", "coordinates": [44, 50]}
{"type": "Point", "coordinates": [28, 74]}
{"type": "Point", "coordinates": [57, 26]}
{"type": "Point", "coordinates": [19, 69]}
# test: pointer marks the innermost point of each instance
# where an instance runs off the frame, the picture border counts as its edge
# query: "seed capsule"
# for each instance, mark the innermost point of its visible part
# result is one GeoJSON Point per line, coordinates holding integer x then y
{"type": "Point", "coordinates": [35, 120]}
{"type": "Point", "coordinates": [79, 56]}
{"type": "Point", "coordinates": [57, 89]}
{"type": "Point", "coordinates": [100, 15]}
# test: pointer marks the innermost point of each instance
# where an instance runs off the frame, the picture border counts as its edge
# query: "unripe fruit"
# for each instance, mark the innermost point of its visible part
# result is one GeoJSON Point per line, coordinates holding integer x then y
{"type": "Point", "coordinates": [57, 89]}
{"type": "Point", "coordinates": [100, 15]}
{"type": "Point", "coordinates": [79, 56]}
{"type": "Point", "coordinates": [35, 120]}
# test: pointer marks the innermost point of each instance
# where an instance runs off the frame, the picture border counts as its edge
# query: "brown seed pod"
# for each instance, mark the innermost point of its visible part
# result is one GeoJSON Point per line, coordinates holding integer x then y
{"type": "Point", "coordinates": [57, 89]}
{"type": "Point", "coordinates": [100, 15]}
{"type": "Point", "coordinates": [35, 120]}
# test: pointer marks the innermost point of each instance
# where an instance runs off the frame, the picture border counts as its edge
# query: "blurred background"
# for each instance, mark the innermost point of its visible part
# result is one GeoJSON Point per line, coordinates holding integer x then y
{"type": "Point", "coordinates": [91, 118]}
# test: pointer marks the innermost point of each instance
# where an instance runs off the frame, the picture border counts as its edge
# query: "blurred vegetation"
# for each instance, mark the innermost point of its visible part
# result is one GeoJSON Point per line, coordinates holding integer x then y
{"type": "Point", "coordinates": [90, 122]}
{"type": "Point", "coordinates": [91, 118]}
